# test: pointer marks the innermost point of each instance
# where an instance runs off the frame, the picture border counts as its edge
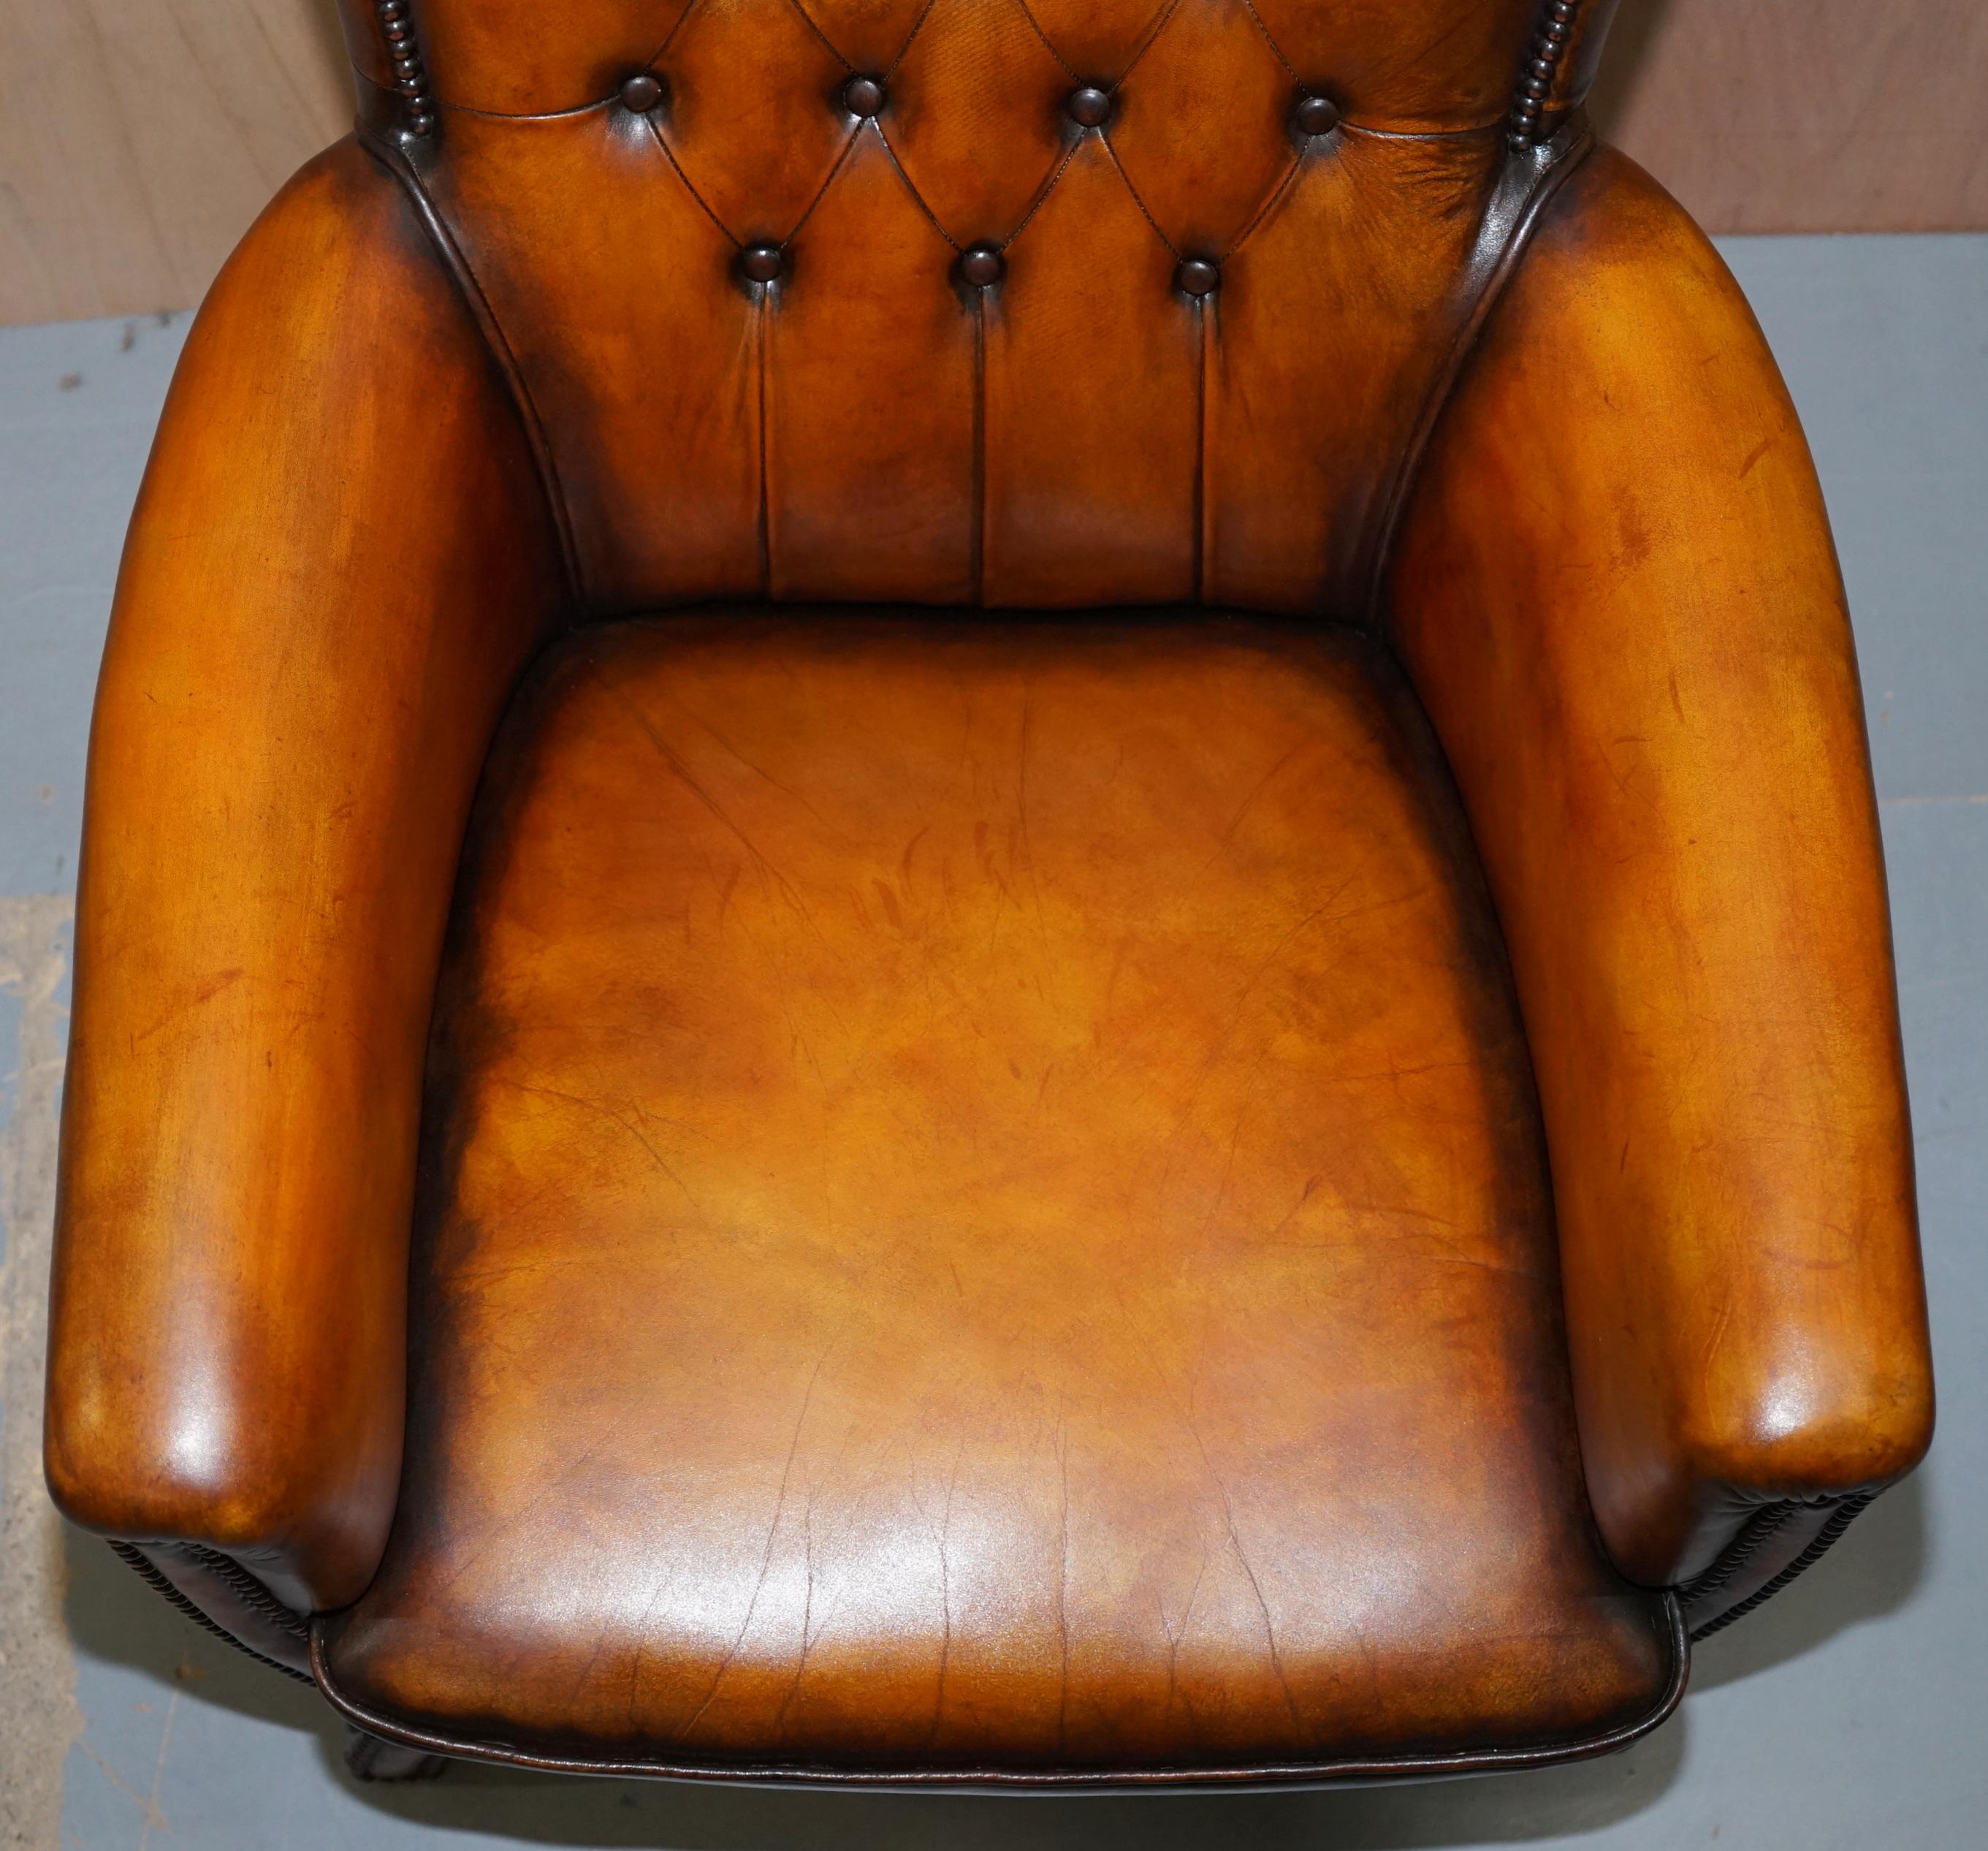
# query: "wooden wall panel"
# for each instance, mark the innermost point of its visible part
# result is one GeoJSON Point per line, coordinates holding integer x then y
{"type": "Point", "coordinates": [1806, 115]}
{"type": "Point", "coordinates": [139, 138]}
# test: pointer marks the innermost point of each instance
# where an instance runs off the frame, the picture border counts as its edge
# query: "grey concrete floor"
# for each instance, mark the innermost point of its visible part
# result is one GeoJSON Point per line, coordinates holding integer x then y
{"type": "Point", "coordinates": [1848, 1713]}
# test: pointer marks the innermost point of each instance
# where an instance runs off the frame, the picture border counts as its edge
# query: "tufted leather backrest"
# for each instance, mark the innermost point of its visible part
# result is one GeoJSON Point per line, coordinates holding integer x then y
{"type": "Point", "coordinates": [1013, 301]}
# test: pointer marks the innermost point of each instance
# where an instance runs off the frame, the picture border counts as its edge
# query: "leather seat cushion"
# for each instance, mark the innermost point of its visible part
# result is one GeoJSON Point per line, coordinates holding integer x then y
{"type": "Point", "coordinates": [984, 1214]}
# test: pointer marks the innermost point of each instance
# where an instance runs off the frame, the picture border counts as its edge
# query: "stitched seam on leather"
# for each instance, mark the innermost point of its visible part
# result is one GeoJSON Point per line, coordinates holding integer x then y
{"type": "Point", "coordinates": [294, 1623]}
{"type": "Point", "coordinates": [977, 539]}
{"type": "Point", "coordinates": [1028, 13]}
{"type": "Point", "coordinates": [917, 198]}
{"type": "Point", "coordinates": [807, 19]}
{"type": "Point", "coordinates": [1551, 39]}
{"type": "Point", "coordinates": [1048, 187]}
{"type": "Point", "coordinates": [1204, 333]}
{"type": "Point", "coordinates": [669, 154]}
{"type": "Point", "coordinates": [669, 37]}
{"type": "Point", "coordinates": [1263, 211]}
{"type": "Point", "coordinates": [1846, 1513]}
{"type": "Point", "coordinates": [1378, 1767]}
{"type": "Point", "coordinates": [1136, 200]}
{"type": "Point", "coordinates": [1161, 20]}
{"type": "Point", "coordinates": [1496, 276]}
{"type": "Point", "coordinates": [766, 509]}
{"type": "Point", "coordinates": [841, 159]}
{"type": "Point", "coordinates": [1290, 69]}
{"type": "Point", "coordinates": [497, 347]}
{"type": "Point", "coordinates": [918, 26]}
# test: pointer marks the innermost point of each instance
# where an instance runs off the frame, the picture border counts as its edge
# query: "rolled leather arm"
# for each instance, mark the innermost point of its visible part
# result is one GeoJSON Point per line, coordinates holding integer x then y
{"type": "Point", "coordinates": [1616, 592]}
{"type": "Point", "coordinates": [340, 560]}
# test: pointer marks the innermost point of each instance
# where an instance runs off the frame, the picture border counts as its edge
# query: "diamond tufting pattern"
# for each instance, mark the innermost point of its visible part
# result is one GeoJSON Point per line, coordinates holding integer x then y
{"type": "Point", "coordinates": [1183, 363]}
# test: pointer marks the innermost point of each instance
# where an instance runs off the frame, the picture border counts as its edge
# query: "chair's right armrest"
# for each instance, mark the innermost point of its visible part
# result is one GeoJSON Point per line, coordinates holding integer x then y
{"type": "Point", "coordinates": [340, 559]}
{"type": "Point", "coordinates": [1617, 595]}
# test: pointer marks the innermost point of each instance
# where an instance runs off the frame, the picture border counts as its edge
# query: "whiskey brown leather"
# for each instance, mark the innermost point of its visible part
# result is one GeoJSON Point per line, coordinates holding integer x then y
{"type": "Point", "coordinates": [1313, 323]}
{"type": "Point", "coordinates": [1028, 1129]}
{"type": "Point", "coordinates": [1618, 596]}
{"type": "Point", "coordinates": [1083, 432]}
{"type": "Point", "coordinates": [336, 565]}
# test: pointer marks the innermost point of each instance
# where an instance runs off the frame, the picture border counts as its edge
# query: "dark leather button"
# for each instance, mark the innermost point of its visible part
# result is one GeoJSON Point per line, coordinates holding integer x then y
{"type": "Point", "coordinates": [1314, 114]}
{"type": "Point", "coordinates": [863, 96]}
{"type": "Point", "coordinates": [641, 94]}
{"type": "Point", "coordinates": [1197, 277]}
{"type": "Point", "coordinates": [981, 265]}
{"type": "Point", "coordinates": [1089, 105]}
{"type": "Point", "coordinates": [761, 262]}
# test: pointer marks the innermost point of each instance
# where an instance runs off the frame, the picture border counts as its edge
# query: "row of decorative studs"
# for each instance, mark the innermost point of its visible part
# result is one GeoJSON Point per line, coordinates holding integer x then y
{"type": "Point", "coordinates": [411, 77]}
{"type": "Point", "coordinates": [1543, 64]}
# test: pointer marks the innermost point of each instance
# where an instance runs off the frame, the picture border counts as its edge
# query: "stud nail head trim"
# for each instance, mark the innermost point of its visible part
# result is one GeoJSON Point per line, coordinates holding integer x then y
{"type": "Point", "coordinates": [642, 92]}
{"type": "Point", "coordinates": [863, 97]}
{"type": "Point", "coordinates": [411, 77]}
{"type": "Point", "coordinates": [981, 265]}
{"type": "Point", "coordinates": [1198, 277]}
{"type": "Point", "coordinates": [762, 263]}
{"type": "Point", "coordinates": [1315, 114]}
{"type": "Point", "coordinates": [1089, 106]}
{"type": "Point", "coordinates": [1542, 64]}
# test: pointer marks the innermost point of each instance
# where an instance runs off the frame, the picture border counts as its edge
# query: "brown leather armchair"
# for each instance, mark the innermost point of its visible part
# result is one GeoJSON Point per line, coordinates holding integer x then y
{"type": "Point", "coordinates": [981, 892]}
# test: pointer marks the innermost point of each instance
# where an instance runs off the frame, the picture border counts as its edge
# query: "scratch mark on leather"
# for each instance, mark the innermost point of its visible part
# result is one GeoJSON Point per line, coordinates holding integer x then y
{"type": "Point", "coordinates": [1221, 1042]}
{"type": "Point", "coordinates": [944, 1595]}
{"type": "Point", "coordinates": [494, 1533]}
{"type": "Point", "coordinates": [1021, 810]}
{"type": "Point", "coordinates": [662, 1587]}
{"type": "Point", "coordinates": [808, 1634]}
{"type": "Point", "coordinates": [1175, 1635]}
{"type": "Point", "coordinates": [1228, 835]}
{"type": "Point", "coordinates": [203, 992]}
{"type": "Point", "coordinates": [1227, 1175]}
{"type": "Point", "coordinates": [615, 1118]}
{"type": "Point", "coordinates": [1063, 1584]}
{"type": "Point", "coordinates": [1248, 1567]}
{"type": "Point", "coordinates": [767, 1558]}
{"type": "Point", "coordinates": [682, 771]}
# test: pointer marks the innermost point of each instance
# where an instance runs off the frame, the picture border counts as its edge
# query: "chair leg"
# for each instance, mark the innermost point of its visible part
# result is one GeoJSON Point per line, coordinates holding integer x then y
{"type": "Point", "coordinates": [370, 1757]}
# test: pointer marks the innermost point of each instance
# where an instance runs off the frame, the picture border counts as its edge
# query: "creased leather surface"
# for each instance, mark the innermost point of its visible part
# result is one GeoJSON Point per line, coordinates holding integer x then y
{"type": "Point", "coordinates": [1618, 595]}
{"type": "Point", "coordinates": [336, 569]}
{"type": "Point", "coordinates": [1082, 432]}
{"type": "Point", "coordinates": [984, 1208]}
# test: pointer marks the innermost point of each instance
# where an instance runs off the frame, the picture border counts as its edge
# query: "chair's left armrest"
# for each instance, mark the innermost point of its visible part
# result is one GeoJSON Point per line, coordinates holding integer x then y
{"type": "Point", "coordinates": [1617, 594]}
{"type": "Point", "coordinates": [340, 559]}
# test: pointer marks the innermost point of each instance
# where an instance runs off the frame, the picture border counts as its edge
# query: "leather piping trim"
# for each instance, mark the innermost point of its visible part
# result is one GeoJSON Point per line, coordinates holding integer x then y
{"type": "Point", "coordinates": [246, 1588]}
{"type": "Point", "coordinates": [1753, 1536]}
{"type": "Point", "coordinates": [1377, 1769]}
{"type": "Point", "coordinates": [395, 153]}
{"type": "Point", "coordinates": [1525, 185]}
